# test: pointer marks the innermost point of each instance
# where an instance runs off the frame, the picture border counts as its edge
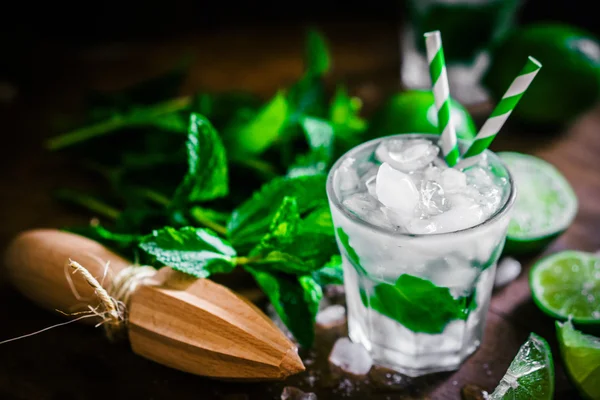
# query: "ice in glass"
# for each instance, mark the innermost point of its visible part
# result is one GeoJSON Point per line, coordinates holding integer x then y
{"type": "Point", "coordinates": [419, 243]}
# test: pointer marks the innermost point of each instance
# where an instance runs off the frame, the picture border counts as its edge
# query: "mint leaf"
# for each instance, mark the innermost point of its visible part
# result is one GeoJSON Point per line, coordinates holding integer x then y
{"type": "Point", "coordinates": [222, 108]}
{"type": "Point", "coordinates": [198, 252]}
{"type": "Point", "coordinates": [344, 115]}
{"type": "Point", "coordinates": [318, 61]}
{"type": "Point", "coordinates": [318, 221]}
{"type": "Point", "coordinates": [331, 273]}
{"type": "Point", "coordinates": [284, 225]}
{"type": "Point", "coordinates": [349, 250]}
{"type": "Point", "coordinates": [306, 165]}
{"type": "Point", "coordinates": [106, 237]}
{"type": "Point", "coordinates": [295, 299]}
{"type": "Point", "coordinates": [251, 221]}
{"type": "Point", "coordinates": [418, 304]}
{"type": "Point", "coordinates": [258, 133]}
{"type": "Point", "coordinates": [319, 136]}
{"type": "Point", "coordinates": [285, 248]}
{"type": "Point", "coordinates": [206, 178]}
{"type": "Point", "coordinates": [141, 116]}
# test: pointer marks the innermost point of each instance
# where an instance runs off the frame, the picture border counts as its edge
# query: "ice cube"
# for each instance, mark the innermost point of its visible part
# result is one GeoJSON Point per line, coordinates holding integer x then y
{"type": "Point", "coordinates": [397, 220]}
{"type": "Point", "coordinates": [407, 154]}
{"type": "Point", "coordinates": [420, 226]}
{"type": "Point", "coordinates": [453, 181]}
{"type": "Point", "coordinates": [463, 213]}
{"type": "Point", "coordinates": [396, 190]}
{"type": "Point", "coordinates": [293, 393]}
{"type": "Point", "coordinates": [371, 184]}
{"type": "Point", "coordinates": [347, 176]}
{"type": "Point", "coordinates": [351, 357]}
{"type": "Point", "coordinates": [432, 199]}
{"type": "Point", "coordinates": [478, 176]}
{"type": "Point", "coordinates": [331, 316]}
{"type": "Point", "coordinates": [361, 204]}
{"type": "Point", "coordinates": [432, 173]}
{"type": "Point", "coordinates": [367, 208]}
{"type": "Point", "coordinates": [507, 271]}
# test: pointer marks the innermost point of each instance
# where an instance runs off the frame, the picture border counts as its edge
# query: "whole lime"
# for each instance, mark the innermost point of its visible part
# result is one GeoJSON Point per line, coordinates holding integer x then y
{"type": "Point", "coordinates": [414, 111]}
{"type": "Point", "coordinates": [567, 84]}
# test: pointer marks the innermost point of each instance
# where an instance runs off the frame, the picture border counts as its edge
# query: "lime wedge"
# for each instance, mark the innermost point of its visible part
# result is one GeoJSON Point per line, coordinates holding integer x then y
{"type": "Point", "coordinates": [581, 356]}
{"type": "Point", "coordinates": [545, 207]}
{"type": "Point", "coordinates": [530, 375]}
{"type": "Point", "coordinates": [567, 284]}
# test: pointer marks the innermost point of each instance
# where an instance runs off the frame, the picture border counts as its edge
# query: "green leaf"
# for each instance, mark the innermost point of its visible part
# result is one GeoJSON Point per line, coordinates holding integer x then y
{"type": "Point", "coordinates": [223, 108]}
{"type": "Point", "coordinates": [318, 61]}
{"type": "Point", "coordinates": [318, 221]}
{"type": "Point", "coordinates": [295, 299]}
{"type": "Point", "coordinates": [87, 201]}
{"type": "Point", "coordinates": [331, 273]}
{"type": "Point", "coordinates": [108, 238]}
{"type": "Point", "coordinates": [319, 136]}
{"type": "Point", "coordinates": [206, 213]}
{"type": "Point", "coordinates": [195, 251]}
{"type": "Point", "coordinates": [344, 115]}
{"type": "Point", "coordinates": [285, 248]}
{"type": "Point", "coordinates": [306, 165]}
{"type": "Point", "coordinates": [350, 252]}
{"type": "Point", "coordinates": [251, 220]}
{"type": "Point", "coordinates": [260, 132]}
{"type": "Point", "coordinates": [283, 227]}
{"type": "Point", "coordinates": [283, 262]}
{"type": "Point", "coordinates": [418, 304]}
{"type": "Point", "coordinates": [206, 178]}
{"type": "Point", "coordinates": [136, 117]}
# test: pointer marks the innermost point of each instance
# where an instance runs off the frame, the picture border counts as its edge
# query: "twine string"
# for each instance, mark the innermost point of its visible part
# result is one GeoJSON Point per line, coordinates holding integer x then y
{"type": "Point", "coordinates": [113, 302]}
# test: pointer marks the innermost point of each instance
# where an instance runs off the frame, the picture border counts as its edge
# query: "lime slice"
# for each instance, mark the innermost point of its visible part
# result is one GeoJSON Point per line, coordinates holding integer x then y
{"type": "Point", "coordinates": [567, 284]}
{"type": "Point", "coordinates": [569, 82]}
{"type": "Point", "coordinates": [530, 375]}
{"type": "Point", "coordinates": [581, 356]}
{"type": "Point", "coordinates": [414, 111]}
{"type": "Point", "coordinates": [545, 207]}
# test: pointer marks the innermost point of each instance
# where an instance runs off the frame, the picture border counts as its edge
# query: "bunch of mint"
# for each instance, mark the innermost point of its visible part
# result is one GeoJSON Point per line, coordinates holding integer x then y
{"type": "Point", "coordinates": [212, 182]}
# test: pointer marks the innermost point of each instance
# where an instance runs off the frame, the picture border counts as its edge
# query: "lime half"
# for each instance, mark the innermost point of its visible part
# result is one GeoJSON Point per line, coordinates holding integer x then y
{"type": "Point", "coordinates": [530, 375]}
{"type": "Point", "coordinates": [569, 82]}
{"type": "Point", "coordinates": [581, 356]}
{"type": "Point", "coordinates": [414, 111]}
{"type": "Point", "coordinates": [568, 284]}
{"type": "Point", "coordinates": [545, 207]}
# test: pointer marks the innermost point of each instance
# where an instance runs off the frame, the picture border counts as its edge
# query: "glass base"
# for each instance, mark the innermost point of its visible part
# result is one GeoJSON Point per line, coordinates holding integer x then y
{"type": "Point", "coordinates": [397, 347]}
{"type": "Point", "coordinates": [464, 79]}
{"type": "Point", "coordinates": [399, 361]}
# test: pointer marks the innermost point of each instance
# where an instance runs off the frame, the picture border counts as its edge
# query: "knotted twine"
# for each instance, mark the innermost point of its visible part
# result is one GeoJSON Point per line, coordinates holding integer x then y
{"type": "Point", "coordinates": [114, 300]}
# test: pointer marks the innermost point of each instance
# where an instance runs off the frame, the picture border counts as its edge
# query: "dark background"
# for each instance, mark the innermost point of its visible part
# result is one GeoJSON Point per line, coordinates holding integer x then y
{"type": "Point", "coordinates": [25, 26]}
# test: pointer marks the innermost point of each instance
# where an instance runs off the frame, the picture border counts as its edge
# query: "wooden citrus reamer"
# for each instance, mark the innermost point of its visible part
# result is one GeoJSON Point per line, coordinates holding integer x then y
{"type": "Point", "coordinates": [193, 325]}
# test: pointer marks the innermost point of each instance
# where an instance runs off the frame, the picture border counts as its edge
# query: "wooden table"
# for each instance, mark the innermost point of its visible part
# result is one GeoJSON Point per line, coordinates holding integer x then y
{"type": "Point", "coordinates": [76, 362]}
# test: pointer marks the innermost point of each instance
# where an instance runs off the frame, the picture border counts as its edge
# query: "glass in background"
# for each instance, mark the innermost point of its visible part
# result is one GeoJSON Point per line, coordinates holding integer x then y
{"type": "Point", "coordinates": [468, 27]}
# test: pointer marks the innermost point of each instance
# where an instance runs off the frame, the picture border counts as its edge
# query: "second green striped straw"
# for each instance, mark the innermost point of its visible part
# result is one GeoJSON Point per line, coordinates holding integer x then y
{"type": "Point", "coordinates": [441, 94]}
{"type": "Point", "coordinates": [507, 104]}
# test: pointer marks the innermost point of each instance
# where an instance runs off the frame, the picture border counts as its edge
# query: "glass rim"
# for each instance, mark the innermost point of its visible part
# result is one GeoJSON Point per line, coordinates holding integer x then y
{"type": "Point", "coordinates": [499, 213]}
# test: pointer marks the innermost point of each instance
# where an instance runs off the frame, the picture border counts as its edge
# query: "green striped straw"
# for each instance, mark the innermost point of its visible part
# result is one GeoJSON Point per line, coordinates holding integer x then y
{"type": "Point", "coordinates": [507, 104]}
{"type": "Point", "coordinates": [441, 93]}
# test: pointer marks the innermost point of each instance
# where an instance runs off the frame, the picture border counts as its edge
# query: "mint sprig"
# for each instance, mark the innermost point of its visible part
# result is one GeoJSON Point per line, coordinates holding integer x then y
{"type": "Point", "coordinates": [207, 183]}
